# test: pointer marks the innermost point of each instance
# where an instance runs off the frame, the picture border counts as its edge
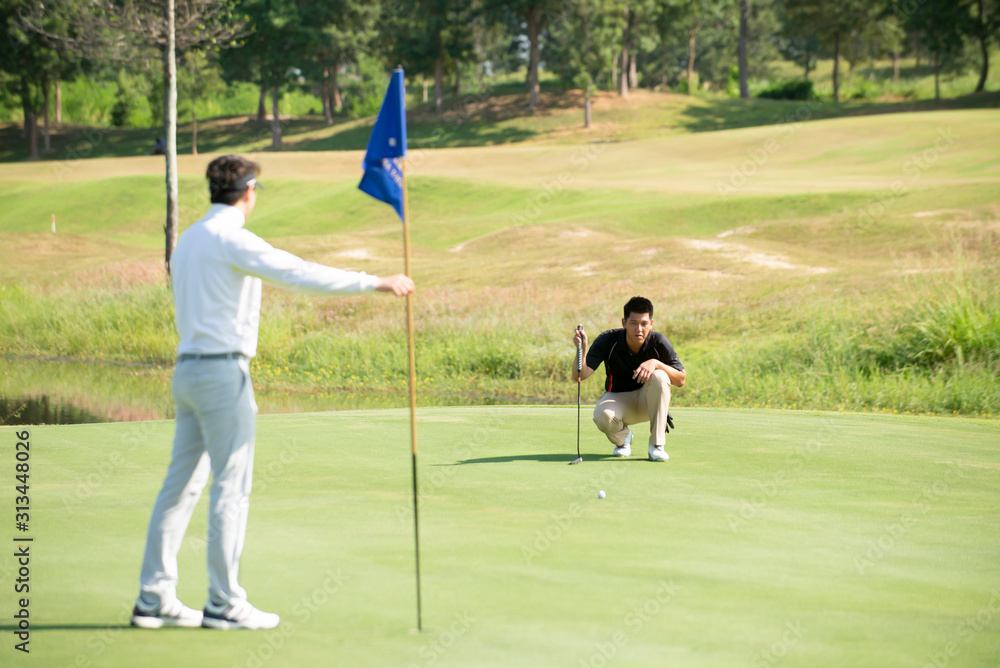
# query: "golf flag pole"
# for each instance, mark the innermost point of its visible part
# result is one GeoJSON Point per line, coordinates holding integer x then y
{"type": "Point", "coordinates": [413, 389]}
{"type": "Point", "coordinates": [385, 180]}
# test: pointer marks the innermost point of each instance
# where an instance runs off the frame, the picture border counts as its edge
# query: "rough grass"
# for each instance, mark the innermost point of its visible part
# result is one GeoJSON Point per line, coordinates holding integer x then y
{"type": "Point", "coordinates": [853, 267]}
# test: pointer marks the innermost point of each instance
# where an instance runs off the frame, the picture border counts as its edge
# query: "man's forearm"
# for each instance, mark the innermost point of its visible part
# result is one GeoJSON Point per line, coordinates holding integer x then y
{"type": "Point", "coordinates": [676, 377]}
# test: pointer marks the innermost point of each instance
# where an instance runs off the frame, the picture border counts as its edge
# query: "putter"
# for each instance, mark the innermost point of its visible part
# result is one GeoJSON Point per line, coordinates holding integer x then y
{"type": "Point", "coordinates": [579, 369]}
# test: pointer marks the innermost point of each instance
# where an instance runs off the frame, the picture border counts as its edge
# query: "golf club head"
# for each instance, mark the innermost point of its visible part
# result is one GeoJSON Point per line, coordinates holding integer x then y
{"type": "Point", "coordinates": [576, 461]}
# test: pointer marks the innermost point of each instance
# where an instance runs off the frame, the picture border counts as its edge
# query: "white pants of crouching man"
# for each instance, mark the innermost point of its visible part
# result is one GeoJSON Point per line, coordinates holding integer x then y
{"type": "Point", "coordinates": [216, 420]}
{"type": "Point", "coordinates": [650, 403]}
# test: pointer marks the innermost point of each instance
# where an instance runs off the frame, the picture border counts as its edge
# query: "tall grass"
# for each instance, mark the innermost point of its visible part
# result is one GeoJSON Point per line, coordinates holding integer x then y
{"type": "Point", "coordinates": [936, 352]}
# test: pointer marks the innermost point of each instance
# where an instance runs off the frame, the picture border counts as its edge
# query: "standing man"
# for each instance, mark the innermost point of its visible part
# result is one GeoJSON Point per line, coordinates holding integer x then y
{"type": "Point", "coordinates": [641, 365]}
{"type": "Point", "coordinates": [217, 272]}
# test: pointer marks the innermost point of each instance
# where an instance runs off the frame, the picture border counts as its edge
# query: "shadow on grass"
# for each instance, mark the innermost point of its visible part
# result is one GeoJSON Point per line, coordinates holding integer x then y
{"type": "Point", "coordinates": [552, 458]}
{"type": "Point", "coordinates": [94, 627]}
{"type": "Point", "coordinates": [485, 119]}
{"type": "Point", "coordinates": [726, 114]}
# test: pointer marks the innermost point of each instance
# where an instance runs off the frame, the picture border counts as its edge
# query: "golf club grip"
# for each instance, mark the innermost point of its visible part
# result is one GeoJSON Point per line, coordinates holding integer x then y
{"type": "Point", "coordinates": [579, 351]}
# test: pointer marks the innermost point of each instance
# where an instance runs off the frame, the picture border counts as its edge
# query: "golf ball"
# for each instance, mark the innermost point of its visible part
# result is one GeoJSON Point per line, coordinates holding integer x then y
{"type": "Point", "coordinates": [601, 494]}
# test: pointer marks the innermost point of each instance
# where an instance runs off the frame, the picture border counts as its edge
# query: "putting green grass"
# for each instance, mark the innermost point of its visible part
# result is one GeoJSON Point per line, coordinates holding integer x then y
{"type": "Point", "coordinates": [769, 538]}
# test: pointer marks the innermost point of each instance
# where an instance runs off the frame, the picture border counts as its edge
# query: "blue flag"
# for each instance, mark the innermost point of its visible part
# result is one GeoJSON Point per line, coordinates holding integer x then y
{"type": "Point", "coordinates": [383, 177]}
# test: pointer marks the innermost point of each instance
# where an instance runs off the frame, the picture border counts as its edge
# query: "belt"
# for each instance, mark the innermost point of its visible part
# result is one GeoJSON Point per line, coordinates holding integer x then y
{"type": "Point", "coordinates": [210, 356]}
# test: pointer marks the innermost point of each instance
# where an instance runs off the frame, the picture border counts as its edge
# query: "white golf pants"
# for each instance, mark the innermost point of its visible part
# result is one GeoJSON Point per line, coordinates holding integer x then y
{"type": "Point", "coordinates": [216, 420]}
{"type": "Point", "coordinates": [616, 410]}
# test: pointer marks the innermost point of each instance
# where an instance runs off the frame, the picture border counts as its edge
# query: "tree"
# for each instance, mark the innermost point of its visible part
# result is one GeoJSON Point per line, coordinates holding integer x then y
{"type": "Point", "coordinates": [338, 31]}
{"type": "Point", "coordinates": [984, 28]}
{"type": "Point", "coordinates": [34, 55]}
{"type": "Point", "coordinates": [832, 21]}
{"type": "Point", "coordinates": [692, 15]}
{"type": "Point", "coordinates": [278, 43]}
{"type": "Point", "coordinates": [742, 49]}
{"type": "Point", "coordinates": [534, 14]}
{"type": "Point", "coordinates": [199, 79]}
{"type": "Point", "coordinates": [581, 43]}
{"type": "Point", "coordinates": [942, 31]}
{"type": "Point", "coordinates": [797, 43]}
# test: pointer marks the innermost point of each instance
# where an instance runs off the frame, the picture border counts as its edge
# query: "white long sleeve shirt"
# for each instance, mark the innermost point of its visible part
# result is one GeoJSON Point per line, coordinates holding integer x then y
{"type": "Point", "coordinates": [217, 270]}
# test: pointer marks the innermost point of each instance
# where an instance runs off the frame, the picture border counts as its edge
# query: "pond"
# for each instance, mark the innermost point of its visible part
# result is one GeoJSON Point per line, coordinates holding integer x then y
{"type": "Point", "coordinates": [60, 391]}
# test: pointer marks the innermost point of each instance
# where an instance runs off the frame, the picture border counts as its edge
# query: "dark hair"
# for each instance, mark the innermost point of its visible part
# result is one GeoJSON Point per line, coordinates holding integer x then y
{"type": "Point", "coordinates": [227, 178]}
{"type": "Point", "coordinates": [638, 305]}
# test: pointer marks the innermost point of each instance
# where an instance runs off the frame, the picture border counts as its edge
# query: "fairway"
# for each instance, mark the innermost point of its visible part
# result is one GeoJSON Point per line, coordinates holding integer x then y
{"type": "Point", "coordinates": [769, 538]}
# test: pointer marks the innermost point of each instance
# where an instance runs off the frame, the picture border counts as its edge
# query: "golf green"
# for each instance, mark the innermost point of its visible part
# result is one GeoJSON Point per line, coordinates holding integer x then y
{"type": "Point", "coordinates": [769, 538]}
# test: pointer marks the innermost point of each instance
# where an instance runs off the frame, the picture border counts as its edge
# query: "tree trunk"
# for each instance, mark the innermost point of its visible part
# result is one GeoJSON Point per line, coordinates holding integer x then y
{"type": "Point", "coordinates": [586, 107]}
{"type": "Point", "coordinates": [533, 57]}
{"type": "Point", "coordinates": [742, 50]}
{"type": "Point", "coordinates": [32, 122]}
{"type": "Point", "coordinates": [438, 85]}
{"type": "Point", "coordinates": [633, 72]}
{"type": "Point", "coordinates": [984, 49]}
{"type": "Point", "coordinates": [937, 78]}
{"type": "Point", "coordinates": [25, 106]}
{"type": "Point", "coordinates": [425, 87]}
{"type": "Point", "coordinates": [623, 59]}
{"type": "Point", "coordinates": [614, 71]}
{"type": "Point", "coordinates": [836, 66]}
{"type": "Point", "coordinates": [262, 101]}
{"type": "Point", "coordinates": [458, 78]}
{"type": "Point", "coordinates": [275, 120]}
{"type": "Point", "coordinates": [336, 100]}
{"type": "Point", "coordinates": [895, 67]}
{"type": "Point", "coordinates": [30, 119]}
{"type": "Point", "coordinates": [194, 130]}
{"type": "Point", "coordinates": [45, 111]}
{"type": "Point", "coordinates": [690, 73]}
{"type": "Point", "coordinates": [327, 94]}
{"type": "Point", "coordinates": [171, 227]}
{"type": "Point", "coordinates": [58, 102]}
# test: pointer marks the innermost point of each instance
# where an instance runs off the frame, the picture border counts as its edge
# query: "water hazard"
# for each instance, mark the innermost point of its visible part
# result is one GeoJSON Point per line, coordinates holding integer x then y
{"type": "Point", "coordinates": [36, 392]}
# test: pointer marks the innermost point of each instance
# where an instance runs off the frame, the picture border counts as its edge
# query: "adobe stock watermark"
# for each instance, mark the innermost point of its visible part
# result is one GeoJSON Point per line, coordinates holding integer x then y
{"type": "Point", "coordinates": [779, 649]}
{"type": "Point", "coordinates": [634, 621]}
{"type": "Point", "coordinates": [894, 532]}
{"type": "Point", "coordinates": [78, 150]}
{"type": "Point", "coordinates": [563, 521]}
{"type": "Point", "coordinates": [87, 486]}
{"type": "Point", "coordinates": [303, 610]}
{"type": "Point", "coordinates": [444, 640]}
{"type": "Point", "coordinates": [580, 161]}
{"type": "Point", "coordinates": [970, 627]}
{"type": "Point", "coordinates": [752, 506]}
{"type": "Point", "coordinates": [98, 642]}
{"type": "Point", "coordinates": [758, 157]}
{"type": "Point", "coordinates": [268, 474]}
{"type": "Point", "coordinates": [489, 428]}
{"type": "Point", "coordinates": [913, 168]}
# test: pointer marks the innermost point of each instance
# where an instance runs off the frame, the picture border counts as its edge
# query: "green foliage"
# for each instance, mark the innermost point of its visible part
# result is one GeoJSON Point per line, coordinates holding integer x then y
{"type": "Point", "coordinates": [364, 89]}
{"type": "Point", "coordinates": [131, 108]}
{"type": "Point", "coordinates": [960, 328]}
{"type": "Point", "coordinates": [789, 90]}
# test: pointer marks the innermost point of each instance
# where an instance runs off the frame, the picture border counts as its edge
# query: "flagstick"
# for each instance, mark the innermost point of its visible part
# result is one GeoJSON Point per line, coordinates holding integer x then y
{"type": "Point", "coordinates": [413, 387]}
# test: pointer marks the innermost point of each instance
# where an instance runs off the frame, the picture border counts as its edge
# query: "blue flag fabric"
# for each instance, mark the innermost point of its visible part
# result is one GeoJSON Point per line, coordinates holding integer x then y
{"type": "Point", "coordinates": [383, 178]}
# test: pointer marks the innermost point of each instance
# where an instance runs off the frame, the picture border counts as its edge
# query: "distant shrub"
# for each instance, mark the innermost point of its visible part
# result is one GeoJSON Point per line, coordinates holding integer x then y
{"type": "Point", "coordinates": [789, 90]}
{"type": "Point", "coordinates": [363, 92]}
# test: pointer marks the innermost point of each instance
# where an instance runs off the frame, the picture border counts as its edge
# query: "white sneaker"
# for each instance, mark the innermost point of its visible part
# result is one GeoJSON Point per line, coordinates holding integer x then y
{"type": "Point", "coordinates": [625, 449]}
{"type": "Point", "coordinates": [657, 454]}
{"type": "Point", "coordinates": [239, 615]}
{"type": "Point", "coordinates": [174, 613]}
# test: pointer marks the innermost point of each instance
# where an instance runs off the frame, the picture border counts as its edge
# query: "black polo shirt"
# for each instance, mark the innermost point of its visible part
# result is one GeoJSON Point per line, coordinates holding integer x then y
{"type": "Point", "coordinates": [620, 362]}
